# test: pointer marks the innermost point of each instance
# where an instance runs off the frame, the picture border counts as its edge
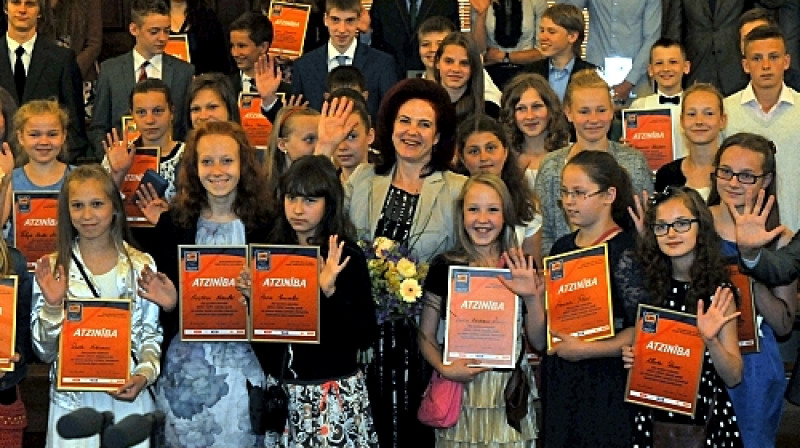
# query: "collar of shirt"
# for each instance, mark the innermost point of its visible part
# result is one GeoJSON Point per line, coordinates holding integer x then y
{"type": "Point", "coordinates": [154, 70]}
{"type": "Point", "coordinates": [560, 72]}
{"type": "Point", "coordinates": [12, 48]}
{"type": "Point", "coordinates": [749, 100]}
{"type": "Point", "coordinates": [246, 81]}
{"type": "Point", "coordinates": [679, 95]}
{"type": "Point", "coordinates": [333, 52]}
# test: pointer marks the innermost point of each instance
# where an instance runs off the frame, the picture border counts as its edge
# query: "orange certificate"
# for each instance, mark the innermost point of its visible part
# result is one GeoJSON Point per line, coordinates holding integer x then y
{"type": "Point", "coordinates": [578, 295]}
{"type": "Point", "coordinates": [481, 321]}
{"type": "Point", "coordinates": [35, 223]}
{"type": "Point", "coordinates": [746, 322]}
{"type": "Point", "coordinates": [668, 360]}
{"type": "Point", "coordinates": [145, 158]}
{"type": "Point", "coordinates": [289, 22]}
{"type": "Point", "coordinates": [650, 131]}
{"type": "Point", "coordinates": [129, 130]}
{"type": "Point", "coordinates": [256, 126]}
{"type": "Point", "coordinates": [211, 307]}
{"type": "Point", "coordinates": [94, 351]}
{"type": "Point", "coordinates": [8, 321]}
{"type": "Point", "coordinates": [178, 46]}
{"type": "Point", "coordinates": [285, 303]}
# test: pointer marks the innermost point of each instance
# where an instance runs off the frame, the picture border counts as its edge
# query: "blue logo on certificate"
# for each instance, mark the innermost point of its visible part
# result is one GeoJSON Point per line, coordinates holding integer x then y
{"type": "Point", "coordinates": [74, 312]}
{"type": "Point", "coordinates": [24, 202]}
{"type": "Point", "coordinates": [632, 120]}
{"type": "Point", "coordinates": [556, 269]}
{"type": "Point", "coordinates": [649, 322]}
{"type": "Point", "coordinates": [462, 282]}
{"type": "Point", "coordinates": [263, 260]}
{"type": "Point", "coordinates": [192, 260]}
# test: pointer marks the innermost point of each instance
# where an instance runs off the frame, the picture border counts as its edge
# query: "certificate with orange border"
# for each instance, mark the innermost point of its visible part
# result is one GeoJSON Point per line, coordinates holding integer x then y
{"type": "Point", "coordinates": [285, 299]}
{"type": "Point", "coordinates": [578, 294]}
{"type": "Point", "coordinates": [746, 322]}
{"type": "Point", "coordinates": [668, 361]}
{"type": "Point", "coordinates": [94, 351]}
{"type": "Point", "coordinates": [129, 130]}
{"type": "Point", "coordinates": [256, 126]}
{"type": "Point", "coordinates": [178, 46]}
{"type": "Point", "coordinates": [146, 158]}
{"type": "Point", "coordinates": [289, 25]}
{"type": "Point", "coordinates": [481, 322]}
{"type": "Point", "coordinates": [8, 321]}
{"type": "Point", "coordinates": [210, 306]}
{"type": "Point", "coordinates": [650, 131]}
{"type": "Point", "coordinates": [35, 224]}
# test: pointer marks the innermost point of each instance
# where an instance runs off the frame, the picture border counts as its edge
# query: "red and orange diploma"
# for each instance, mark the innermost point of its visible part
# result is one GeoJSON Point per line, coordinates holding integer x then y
{"type": "Point", "coordinates": [8, 321]}
{"type": "Point", "coordinates": [146, 158]}
{"type": "Point", "coordinates": [35, 223]}
{"type": "Point", "coordinates": [650, 131]}
{"type": "Point", "coordinates": [178, 47]}
{"type": "Point", "coordinates": [746, 322]}
{"type": "Point", "coordinates": [290, 23]}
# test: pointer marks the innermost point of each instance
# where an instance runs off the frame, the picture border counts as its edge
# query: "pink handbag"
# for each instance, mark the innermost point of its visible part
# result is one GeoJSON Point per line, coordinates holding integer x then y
{"type": "Point", "coordinates": [441, 403]}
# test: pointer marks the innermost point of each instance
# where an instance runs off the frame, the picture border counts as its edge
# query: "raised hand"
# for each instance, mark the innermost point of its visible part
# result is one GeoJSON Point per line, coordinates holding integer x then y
{"type": "Point", "coordinates": [751, 231]}
{"type": "Point", "coordinates": [336, 121]}
{"type": "Point", "coordinates": [7, 159]}
{"type": "Point", "coordinates": [638, 211]}
{"type": "Point", "coordinates": [268, 78]}
{"type": "Point", "coordinates": [53, 284]}
{"type": "Point", "coordinates": [149, 203]}
{"type": "Point", "coordinates": [157, 288]}
{"type": "Point", "coordinates": [480, 6]}
{"type": "Point", "coordinates": [710, 322]}
{"type": "Point", "coordinates": [332, 266]}
{"type": "Point", "coordinates": [119, 154]}
{"type": "Point", "coordinates": [296, 101]}
{"type": "Point", "coordinates": [525, 281]}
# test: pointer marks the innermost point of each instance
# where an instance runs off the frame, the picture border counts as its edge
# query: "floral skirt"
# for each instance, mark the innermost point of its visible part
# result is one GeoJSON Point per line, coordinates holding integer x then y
{"type": "Point", "coordinates": [335, 413]}
{"type": "Point", "coordinates": [482, 421]}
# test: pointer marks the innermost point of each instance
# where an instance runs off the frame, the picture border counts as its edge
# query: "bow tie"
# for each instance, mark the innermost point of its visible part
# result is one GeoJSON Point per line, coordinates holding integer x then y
{"type": "Point", "coordinates": [663, 99]}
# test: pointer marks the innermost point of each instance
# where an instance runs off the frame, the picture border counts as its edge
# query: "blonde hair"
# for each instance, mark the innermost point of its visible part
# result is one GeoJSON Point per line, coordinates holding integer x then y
{"type": "Point", "coordinates": [35, 108]}
{"type": "Point", "coordinates": [277, 162]}
{"type": "Point", "coordinates": [585, 79]}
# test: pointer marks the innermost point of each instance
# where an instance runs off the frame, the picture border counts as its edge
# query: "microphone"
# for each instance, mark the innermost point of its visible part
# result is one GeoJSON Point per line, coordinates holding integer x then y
{"type": "Point", "coordinates": [132, 430]}
{"type": "Point", "coordinates": [83, 422]}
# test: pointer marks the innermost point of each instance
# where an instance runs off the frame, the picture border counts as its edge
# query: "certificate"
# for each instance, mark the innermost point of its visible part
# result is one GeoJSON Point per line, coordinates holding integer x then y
{"type": "Point", "coordinates": [285, 298]}
{"type": "Point", "coordinates": [210, 306]}
{"type": "Point", "coordinates": [481, 322]}
{"type": "Point", "coordinates": [650, 131]}
{"type": "Point", "coordinates": [256, 126]}
{"type": "Point", "coordinates": [746, 322]}
{"type": "Point", "coordinates": [35, 224]}
{"type": "Point", "coordinates": [8, 321]}
{"type": "Point", "coordinates": [94, 351]}
{"type": "Point", "coordinates": [578, 295]}
{"type": "Point", "coordinates": [289, 24]}
{"type": "Point", "coordinates": [146, 158]}
{"type": "Point", "coordinates": [668, 361]}
{"type": "Point", "coordinates": [178, 46]}
{"type": "Point", "coordinates": [129, 130]}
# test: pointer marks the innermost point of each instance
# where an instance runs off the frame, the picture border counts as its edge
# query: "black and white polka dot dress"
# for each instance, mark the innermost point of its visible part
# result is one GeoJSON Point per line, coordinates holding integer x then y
{"type": "Point", "coordinates": [723, 429]}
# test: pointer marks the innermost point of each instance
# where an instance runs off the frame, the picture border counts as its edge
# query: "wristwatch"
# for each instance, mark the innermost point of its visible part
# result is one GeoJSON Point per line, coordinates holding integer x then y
{"type": "Point", "coordinates": [507, 58]}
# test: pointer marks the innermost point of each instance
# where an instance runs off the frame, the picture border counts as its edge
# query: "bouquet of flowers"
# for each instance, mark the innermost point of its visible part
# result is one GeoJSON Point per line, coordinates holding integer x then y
{"type": "Point", "coordinates": [397, 278]}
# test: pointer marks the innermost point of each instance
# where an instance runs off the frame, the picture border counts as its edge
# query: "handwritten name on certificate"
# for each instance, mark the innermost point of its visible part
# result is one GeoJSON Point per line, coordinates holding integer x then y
{"type": "Point", "coordinates": [94, 351]}
{"type": "Point", "coordinates": [650, 131]}
{"type": "Point", "coordinates": [146, 158]}
{"type": "Point", "coordinates": [578, 295]}
{"type": "Point", "coordinates": [668, 360]}
{"type": "Point", "coordinates": [746, 322]}
{"type": "Point", "coordinates": [210, 306]}
{"type": "Point", "coordinates": [35, 222]}
{"type": "Point", "coordinates": [256, 126]}
{"type": "Point", "coordinates": [285, 302]}
{"type": "Point", "coordinates": [8, 321]}
{"type": "Point", "coordinates": [481, 321]}
{"type": "Point", "coordinates": [290, 23]}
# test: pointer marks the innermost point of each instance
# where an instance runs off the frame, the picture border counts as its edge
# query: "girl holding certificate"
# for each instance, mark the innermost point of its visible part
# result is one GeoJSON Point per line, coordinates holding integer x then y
{"type": "Point", "coordinates": [328, 401]}
{"type": "Point", "coordinates": [486, 216]}
{"type": "Point", "coordinates": [94, 261]}
{"type": "Point", "coordinates": [684, 269]}
{"type": "Point", "coordinates": [744, 165]}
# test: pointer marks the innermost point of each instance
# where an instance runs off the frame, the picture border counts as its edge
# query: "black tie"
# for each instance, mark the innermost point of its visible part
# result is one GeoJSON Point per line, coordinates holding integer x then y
{"type": "Point", "coordinates": [253, 87]}
{"type": "Point", "coordinates": [412, 13]}
{"type": "Point", "coordinates": [19, 73]}
{"type": "Point", "coordinates": [663, 99]}
{"type": "Point", "coordinates": [712, 5]}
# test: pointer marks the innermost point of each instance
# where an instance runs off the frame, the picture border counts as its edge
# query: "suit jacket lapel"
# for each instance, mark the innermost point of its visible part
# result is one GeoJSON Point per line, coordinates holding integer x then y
{"type": "Point", "coordinates": [166, 70]}
{"type": "Point", "coordinates": [39, 59]}
{"type": "Point", "coordinates": [6, 73]}
{"type": "Point", "coordinates": [431, 187]}
{"type": "Point", "coordinates": [380, 187]}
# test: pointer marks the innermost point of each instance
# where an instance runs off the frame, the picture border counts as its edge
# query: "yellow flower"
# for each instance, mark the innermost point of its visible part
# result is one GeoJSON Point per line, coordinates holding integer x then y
{"type": "Point", "coordinates": [382, 244]}
{"type": "Point", "coordinates": [406, 268]}
{"type": "Point", "coordinates": [410, 290]}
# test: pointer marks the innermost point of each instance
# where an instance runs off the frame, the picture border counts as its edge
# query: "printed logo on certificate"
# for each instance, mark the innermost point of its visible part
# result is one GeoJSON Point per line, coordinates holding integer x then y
{"type": "Point", "coordinates": [146, 158]}
{"type": "Point", "coordinates": [285, 303]}
{"type": "Point", "coordinates": [668, 360]}
{"type": "Point", "coordinates": [746, 326]}
{"type": "Point", "coordinates": [210, 306]}
{"type": "Point", "coordinates": [94, 352]}
{"type": "Point", "coordinates": [8, 321]}
{"type": "Point", "coordinates": [650, 131]}
{"type": "Point", "coordinates": [481, 318]}
{"type": "Point", "coordinates": [578, 295]}
{"type": "Point", "coordinates": [129, 130]}
{"type": "Point", "coordinates": [178, 47]}
{"type": "Point", "coordinates": [35, 224]}
{"type": "Point", "coordinates": [289, 23]}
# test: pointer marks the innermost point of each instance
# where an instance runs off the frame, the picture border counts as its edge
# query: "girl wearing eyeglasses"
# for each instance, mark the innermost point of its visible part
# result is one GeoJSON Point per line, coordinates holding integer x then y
{"type": "Point", "coordinates": [684, 268]}
{"type": "Point", "coordinates": [746, 163]}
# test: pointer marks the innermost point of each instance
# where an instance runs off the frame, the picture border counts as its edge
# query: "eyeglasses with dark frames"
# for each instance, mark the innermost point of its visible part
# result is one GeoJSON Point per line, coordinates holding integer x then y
{"type": "Point", "coordinates": [743, 177]}
{"type": "Point", "coordinates": [680, 225]}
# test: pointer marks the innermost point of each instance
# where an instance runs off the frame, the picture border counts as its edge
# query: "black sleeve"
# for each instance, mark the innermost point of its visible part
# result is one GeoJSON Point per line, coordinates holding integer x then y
{"type": "Point", "coordinates": [24, 306]}
{"type": "Point", "coordinates": [353, 297]}
{"type": "Point", "coordinates": [778, 267]}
